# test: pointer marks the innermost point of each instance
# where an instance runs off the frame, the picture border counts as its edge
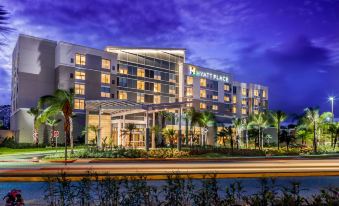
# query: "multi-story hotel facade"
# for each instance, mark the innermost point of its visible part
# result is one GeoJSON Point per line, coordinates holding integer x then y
{"type": "Point", "coordinates": [159, 77]}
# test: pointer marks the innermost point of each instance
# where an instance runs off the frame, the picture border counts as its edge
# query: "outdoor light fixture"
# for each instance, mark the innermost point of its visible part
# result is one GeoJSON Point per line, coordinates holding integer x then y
{"type": "Point", "coordinates": [331, 99]}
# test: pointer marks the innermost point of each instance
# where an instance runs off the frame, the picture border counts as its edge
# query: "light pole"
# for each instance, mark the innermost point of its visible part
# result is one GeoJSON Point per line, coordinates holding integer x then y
{"type": "Point", "coordinates": [331, 98]}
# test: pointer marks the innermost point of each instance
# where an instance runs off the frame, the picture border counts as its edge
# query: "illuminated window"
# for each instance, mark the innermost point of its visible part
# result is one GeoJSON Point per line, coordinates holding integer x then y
{"type": "Point", "coordinates": [141, 72]}
{"type": "Point", "coordinates": [256, 111]}
{"type": "Point", "coordinates": [244, 92]}
{"type": "Point", "coordinates": [157, 99]}
{"type": "Point", "coordinates": [226, 87]}
{"type": "Point", "coordinates": [80, 75]}
{"type": "Point", "coordinates": [234, 109]}
{"type": "Point", "coordinates": [234, 99]}
{"type": "Point", "coordinates": [157, 75]}
{"type": "Point", "coordinates": [202, 93]}
{"type": "Point", "coordinates": [243, 111]}
{"type": "Point", "coordinates": [264, 93]}
{"type": "Point", "coordinates": [157, 87]}
{"type": "Point", "coordinates": [80, 59]}
{"type": "Point", "coordinates": [105, 78]}
{"type": "Point", "coordinates": [122, 95]}
{"type": "Point", "coordinates": [203, 82]}
{"type": "Point", "coordinates": [189, 80]}
{"type": "Point", "coordinates": [79, 104]}
{"type": "Point", "coordinates": [123, 70]}
{"type": "Point", "coordinates": [171, 99]}
{"type": "Point", "coordinates": [226, 98]}
{"type": "Point", "coordinates": [172, 89]}
{"type": "Point", "coordinates": [202, 105]}
{"type": "Point", "coordinates": [79, 89]}
{"type": "Point", "coordinates": [189, 105]}
{"type": "Point", "coordinates": [243, 102]}
{"type": "Point", "coordinates": [140, 98]}
{"type": "Point", "coordinates": [215, 107]}
{"type": "Point", "coordinates": [256, 102]}
{"type": "Point", "coordinates": [256, 93]}
{"type": "Point", "coordinates": [189, 91]}
{"type": "Point", "coordinates": [105, 63]}
{"type": "Point", "coordinates": [105, 94]}
{"type": "Point", "coordinates": [172, 78]}
{"type": "Point", "coordinates": [140, 85]}
{"type": "Point", "coordinates": [215, 97]}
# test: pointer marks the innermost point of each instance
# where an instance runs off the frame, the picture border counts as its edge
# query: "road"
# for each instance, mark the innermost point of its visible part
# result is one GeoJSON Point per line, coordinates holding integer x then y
{"type": "Point", "coordinates": [14, 171]}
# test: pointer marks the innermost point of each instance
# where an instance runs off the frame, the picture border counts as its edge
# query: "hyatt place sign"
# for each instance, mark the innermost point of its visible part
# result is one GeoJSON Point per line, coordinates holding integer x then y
{"type": "Point", "coordinates": [218, 77]}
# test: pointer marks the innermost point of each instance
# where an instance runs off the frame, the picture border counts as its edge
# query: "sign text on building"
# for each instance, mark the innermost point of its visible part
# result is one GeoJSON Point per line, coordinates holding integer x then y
{"type": "Point", "coordinates": [218, 77]}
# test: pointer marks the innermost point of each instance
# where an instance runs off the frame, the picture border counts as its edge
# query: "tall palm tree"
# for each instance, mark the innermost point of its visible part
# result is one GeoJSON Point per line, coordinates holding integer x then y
{"type": "Point", "coordinates": [227, 132]}
{"type": "Point", "coordinates": [245, 123]}
{"type": "Point", "coordinates": [170, 135]}
{"type": "Point", "coordinates": [277, 118]}
{"type": "Point", "coordinates": [206, 120]}
{"type": "Point", "coordinates": [92, 128]}
{"type": "Point", "coordinates": [4, 29]}
{"type": "Point", "coordinates": [63, 101]}
{"type": "Point", "coordinates": [312, 116]}
{"type": "Point", "coordinates": [301, 132]}
{"type": "Point", "coordinates": [259, 121]}
{"type": "Point", "coordinates": [164, 116]}
{"type": "Point", "coordinates": [52, 123]}
{"type": "Point", "coordinates": [35, 112]}
{"type": "Point", "coordinates": [238, 126]}
{"type": "Point", "coordinates": [334, 130]}
{"type": "Point", "coordinates": [130, 128]}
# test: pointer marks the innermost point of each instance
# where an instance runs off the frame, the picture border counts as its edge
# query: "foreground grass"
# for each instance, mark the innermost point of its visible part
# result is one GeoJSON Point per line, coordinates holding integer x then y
{"type": "Point", "coordinates": [10, 151]}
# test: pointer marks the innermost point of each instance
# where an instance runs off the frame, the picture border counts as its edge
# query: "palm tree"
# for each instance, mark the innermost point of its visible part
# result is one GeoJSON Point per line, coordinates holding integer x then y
{"type": "Point", "coordinates": [245, 123]}
{"type": "Point", "coordinates": [259, 121]}
{"type": "Point", "coordinates": [63, 101]}
{"type": "Point", "coordinates": [312, 116]}
{"type": "Point", "coordinates": [334, 130]}
{"type": "Point", "coordinates": [170, 135]}
{"type": "Point", "coordinates": [155, 131]}
{"type": "Point", "coordinates": [35, 112]}
{"type": "Point", "coordinates": [53, 122]}
{"type": "Point", "coordinates": [238, 126]}
{"type": "Point", "coordinates": [227, 132]}
{"type": "Point", "coordinates": [92, 128]}
{"type": "Point", "coordinates": [130, 128]}
{"type": "Point", "coordinates": [223, 135]}
{"type": "Point", "coordinates": [301, 132]}
{"type": "Point", "coordinates": [194, 117]}
{"type": "Point", "coordinates": [4, 29]}
{"type": "Point", "coordinates": [206, 120]}
{"type": "Point", "coordinates": [277, 118]}
{"type": "Point", "coordinates": [164, 116]}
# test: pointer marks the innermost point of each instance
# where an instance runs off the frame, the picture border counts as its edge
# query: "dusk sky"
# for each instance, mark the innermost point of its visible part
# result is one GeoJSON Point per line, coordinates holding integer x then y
{"type": "Point", "coordinates": [290, 46]}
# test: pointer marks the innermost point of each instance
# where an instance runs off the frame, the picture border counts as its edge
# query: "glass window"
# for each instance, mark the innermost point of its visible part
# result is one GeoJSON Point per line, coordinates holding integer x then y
{"type": "Point", "coordinates": [122, 95]}
{"type": "Point", "coordinates": [189, 91]}
{"type": "Point", "coordinates": [226, 98]}
{"type": "Point", "coordinates": [157, 87]}
{"type": "Point", "coordinates": [105, 94]}
{"type": "Point", "coordinates": [189, 80]}
{"type": "Point", "coordinates": [256, 93]}
{"type": "Point", "coordinates": [79, 89]}
{"type": "Point", "coordinates": [243, 102]}
{"type": "Point", "coordinates": [203, 82]}
{"type": "Point", "coordinates": [202, 105]}
{"type": "Point", "coordinates": [149, 86]}
{"type": "Point", "coordinates": [172, 78]}
{"type": "Point", "coordinates": [140, 98]}
{"type": "Point", "coordinates": [157, 75]}
{"type": "Point", "coordinates": [256, 111]}
{"type": "Point", "coordinates": [234, 109]}
{"type": "Point", "coordinates": [80, 75]}
{"type": "Point", "coordinates": [79, 104]}
{"type": "Point", "coordinates": [234, 99]}
{"type": "Point", "coordinates": [243, 111]}
{"type": "Point", "coordinates": [105, 78]}
{"type": "Point", "coordinates": [140, 85]}
{"type": "Point", "coordinates": [80, 59]}
{"type": "Point", "coordinates": [105, 63]}
{"type": "Point", "coordinates": [215, 97]}
{"type": "Point", "coordinates": [141, 72]}
{"type": "Point", "coordinates": [264, 93]}
{"type": "Point", "coordinates": [215, 107]}
{"type": "Point", "coordinates": [171, 89]}
{"type": "Point", "coordinates": [122, 82]}
{"type": "Point", "coordinates": [244, 92]}
{"type": "Point", "coordinates": [203, 93]}
{"type": "Point", "coordinates": [226, 87]}
{"type": "Point", "coordinates": [256, 102]}
{"type": "Point", "coordinates": [157, 99]}
{"type": "Point", "coordinates": [123, 70]}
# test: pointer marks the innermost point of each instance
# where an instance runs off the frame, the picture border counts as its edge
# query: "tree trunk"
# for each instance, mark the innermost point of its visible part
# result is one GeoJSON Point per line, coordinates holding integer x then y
{"type": "Point", "coordinates": [259, 139]}
{"type": "Point", "coordinates": [314, 138]}
{"type": "Point", "coordinates": [71, 134]}
{"type": "Point", "coordinates": [186, 132]}
{"type": "Point", "coordinates": [278, 136]}
{"type": "Point", "coordinates": [246, 138]}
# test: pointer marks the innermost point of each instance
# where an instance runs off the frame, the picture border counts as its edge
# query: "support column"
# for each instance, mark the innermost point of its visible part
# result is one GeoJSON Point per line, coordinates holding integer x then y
{"type": "Point", "coordinates": [179, 132]}
{"type": "Point", "coordinates": [147, 133]}
{"type": "Point", "coordinates": [153, 132]}
{"type": "Point", "coordinates": [99, 130]}
{"type": "Point", "coordinates": [119, 134]}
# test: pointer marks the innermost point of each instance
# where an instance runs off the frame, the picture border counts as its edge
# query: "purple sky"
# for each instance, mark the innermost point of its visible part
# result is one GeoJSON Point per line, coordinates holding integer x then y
{"type": "Point", "coordinates": [290, 46]}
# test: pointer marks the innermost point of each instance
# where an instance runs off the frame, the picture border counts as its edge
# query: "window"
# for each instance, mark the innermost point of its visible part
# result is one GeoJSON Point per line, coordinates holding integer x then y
{"type": "Point", "coordinates": [171, 99]}
{"type": "Point", "coordinates": [215, 97]}
{"type": "Point", "coordinates": [156, 99]}
{"type": "Point", "coordinates": [234, 109]}
{"type": "Point", "coordinates": [157, 87]}
{"type": "Point", "coordinates": [244, 92]}
{"type": "Point", "coordinates": [141, 72]}
{"type": "Point", "coordinates": [226, 87]}
{"type": "Point", "coordinates": [264, 93]}
{"type": "Point", "coordinates": [189, 91]}
{"type": "Point", "coordinates": [243, 102]}
{"type": "Point", "coordinates": [105, 63]}
{"type": "Point", "coordinates": [140, 98]}
{"type": "Point", "coordinates": [202, 105]}
{"type": "Point", "coordinates": [215, 107]}
{"type": "Point", "coordinates": [256, 111]}
{"type": "Point", "coordinates": [172, 78]}
{"type": "Point", "coordinates": [148, 98]}
{"type": "Point", "coordinates": [79, 89]}
{"type": "Point", "coordinates": [122, 95]}
{"type": "Point", "coordinates": [203, 82]}
{"type": "Point", "coordinates": [71, 75]}
{"type": "Point", "coordinates": [149, 73]}
{"type": "Point", "coordinates": [105, 78]}
{"type": "Point", "coordinates": [105, 94]}
{"type": "Point", "coordinates": [123, 70]}
{"type": "Point", "coordinates": [256, 102]}
{"type": "Point", "coordinates": [79, 104]}
{"type": "Point", "coordinates": [171, 89]}
{"type": "Point", "coordinates": [122, 82]}
{"type": "Point", "coordinates": [80, 59]}
{"type": "Point", "coordinates": [234, 99]}
{"type": "Point", "coordinates": [140, 85]}
{"type": "Point", "coordinates": [202, 93]}
{"type": "Point", "coordinates": [149, 86]}
{"type": "Point", "coordinates": [256, 93]}
{"type": "Point", "coordinates": [226, 98]}
{"type": "Point", "coordinates": [157, 75]}
{"type": "Point", "coordinates": [189, 80]}
{"type": "Point", "coordinates": [243, 111]}
{"type": "Point", "coordinates": [80, 75]}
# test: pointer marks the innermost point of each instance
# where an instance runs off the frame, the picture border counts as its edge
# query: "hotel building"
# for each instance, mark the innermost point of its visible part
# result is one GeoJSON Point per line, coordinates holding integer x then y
{"type": "Point", "coordinates": [128, 85]}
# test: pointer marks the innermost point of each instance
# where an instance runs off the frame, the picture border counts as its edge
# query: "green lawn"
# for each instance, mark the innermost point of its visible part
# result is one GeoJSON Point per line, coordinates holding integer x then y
{"type": "Point", "coordinates": [9, 151]}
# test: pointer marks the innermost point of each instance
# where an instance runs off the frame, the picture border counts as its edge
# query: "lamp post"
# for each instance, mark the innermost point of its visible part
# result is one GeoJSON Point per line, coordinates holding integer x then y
{"type": "Point", "coordinates": [331, 99]}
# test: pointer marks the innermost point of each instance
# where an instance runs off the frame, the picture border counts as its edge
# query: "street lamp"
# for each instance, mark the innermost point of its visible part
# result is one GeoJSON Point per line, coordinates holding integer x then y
{"type": "Point", "coordinates": [331, 99]}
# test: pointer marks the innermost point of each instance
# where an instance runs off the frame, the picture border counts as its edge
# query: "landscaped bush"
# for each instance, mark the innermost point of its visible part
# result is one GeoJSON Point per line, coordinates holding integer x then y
{"type": "Point", "coordinates": [10, 143]}
{"type": "Point", "coordinates": [226, 151]}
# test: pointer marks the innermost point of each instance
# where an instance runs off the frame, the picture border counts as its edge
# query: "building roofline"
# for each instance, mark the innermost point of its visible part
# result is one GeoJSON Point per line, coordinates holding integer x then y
{"type": "Point", "coordinates": [143, 48]}
{"type": "Point", "coordinates": [34, 37]}
{"type": "Point", "coordinates": [216, 70]}
{"type": "Point", "coordinates": [73, 44]}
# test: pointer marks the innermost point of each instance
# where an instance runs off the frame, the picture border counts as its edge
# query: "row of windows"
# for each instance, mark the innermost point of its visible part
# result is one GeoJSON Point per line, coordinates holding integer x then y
{"type": "Point", "coordinates": [142, 72]}
{"type": "Point", "coordinates": [148, 86]}
{"type": "Point", "coordinates": [144, 98]}
{"type": "Point", "coordinates": [204, 106]}
{"type": "Point", "coordinates": [244, 92]}
{"type": "Point", "coordinates": [80, 59]}
{"type": "Point", "coordinates": [203, 83]}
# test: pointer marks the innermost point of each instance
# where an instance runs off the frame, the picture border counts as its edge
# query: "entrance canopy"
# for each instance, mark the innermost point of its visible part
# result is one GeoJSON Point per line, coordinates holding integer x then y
{"type": "Point", "coordinates": [118, 107]}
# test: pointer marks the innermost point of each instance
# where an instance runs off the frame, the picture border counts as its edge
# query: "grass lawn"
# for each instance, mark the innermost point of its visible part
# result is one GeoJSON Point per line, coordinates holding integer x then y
{"type": "Point", "coordinates": [9, 151]}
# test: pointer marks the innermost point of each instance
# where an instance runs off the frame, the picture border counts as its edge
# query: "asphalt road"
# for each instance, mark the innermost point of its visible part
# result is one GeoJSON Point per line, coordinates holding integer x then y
{"type": "Point", "coordinates": [13, 171]}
